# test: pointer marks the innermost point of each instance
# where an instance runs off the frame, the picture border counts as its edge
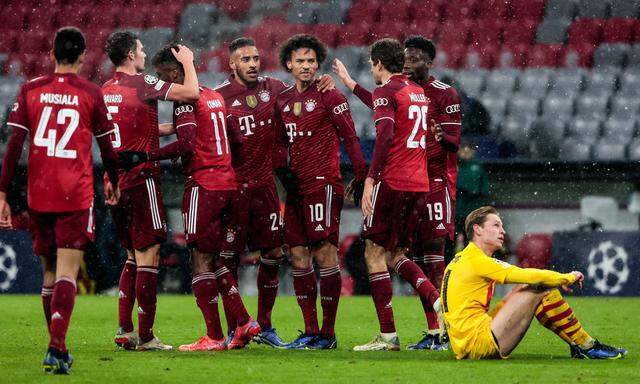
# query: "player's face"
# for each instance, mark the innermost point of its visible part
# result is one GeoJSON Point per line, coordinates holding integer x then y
{"type": "Point", "coordinates": [416, 64]}
{"type": "Point", "coordinates": [245, 63]}
{"type": "Point", "coordinates": [376, 71]}
{"type": "Point", "coordinates": [138, 57]}
{"type": "Point", "coordinates": [303, 64]}
{"type": "Point", "coordinates": [491, 232]}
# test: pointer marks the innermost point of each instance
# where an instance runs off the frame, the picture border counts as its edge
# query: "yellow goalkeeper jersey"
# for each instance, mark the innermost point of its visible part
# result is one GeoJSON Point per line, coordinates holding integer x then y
{"type": "Point", "coordinates": [467, 289]}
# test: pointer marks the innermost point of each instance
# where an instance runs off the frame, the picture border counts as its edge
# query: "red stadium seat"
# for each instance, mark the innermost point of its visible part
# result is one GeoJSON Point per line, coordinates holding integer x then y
{"type": "Point", "coordinates": [585, 31]}
{"type": "Point", "coordinates": [457, 10]}
{"type": "Point", "coordinates": [577, 55]}
{"type": "Point", "coordinates": [544, 55]}
{"type": "Point", "coordinates": [77, 15]}
{"type": "Point", "coordinates": [164, 15]}
{"type": "Point", "coordinates": [454, 32]}
{"type": "Point", "coordinates": [366, 11]}
{"type": "Point", "coordinates": [479, 57]}
{"type": "Point", "coordinates": [327, 33]}
{"type": "Point", "coordinates": [109, 17]}
{"type": "Point", "coordinates": [423, 11]}
{"type": "Point", "coordinates": [425, 28]}
{"type": "Point", "coordinates": [137, 18]}
{"type": "Point", "coordinates": [13, 18]}
{"type": "Point", "coordinates": [487, 32]}
{"type": "Point", "coordinates": [236, 9]}
{"type": "Point", "coordinates": [36, 42]}
{"type": "Point", "coordinates": [618, 30]}
{"type": "Point", "coordinates": [534, 251]}
{"type": "Point", "coordinates": [495, 9]}
{"type": "Point", "coordinates": [353, 34]}
{"type": "Point", "coordinates": [395, 11]}
{"type": "Point", "coordinates": [450, 55]}
{"type": "Point", "coordinates": [393, 29]}
{"type": "Point", "coordinates": [519, 32]}
{"type": "Point", "coordinates": [527, 9]}
{"type": "Point", "coordinates": [8, 39]}
{"type": "Point", "coordinates": [514, 56]}
{"type": "Point", "coordinates": [636, 32]}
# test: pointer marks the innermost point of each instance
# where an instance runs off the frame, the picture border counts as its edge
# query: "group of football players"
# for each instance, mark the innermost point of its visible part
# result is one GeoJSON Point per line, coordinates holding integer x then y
{"type": "Point", "coordinates": [231, 140]}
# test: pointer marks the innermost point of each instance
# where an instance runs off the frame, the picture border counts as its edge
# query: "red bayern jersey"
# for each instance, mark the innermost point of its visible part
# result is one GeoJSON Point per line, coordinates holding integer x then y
{"type": "Point", "coordinates": [404, 102]}
{"type": "Point", "coordinates": [61, 112]}
{"type": "Point", "coordinates": [209, 164]}
{"type": "Point", "coordinates": [253, 107]}
{"type": "Point", "coordinates": [444, 108]}
{"type": "Point", "coordinates": [132, 101]}
{"type": "Point", "coordinates": [312, 123]}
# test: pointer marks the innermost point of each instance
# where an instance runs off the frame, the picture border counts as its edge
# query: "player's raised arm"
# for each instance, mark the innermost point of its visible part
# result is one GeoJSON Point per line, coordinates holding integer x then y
{"type": "Point", "coordinates": [364, 95]}
{"type": "Point", "coordinates": [188, 91]}
{"type": "Point", "coordinates": [166, 129]}
{"type": "Point", "coordinates": [384, 119]}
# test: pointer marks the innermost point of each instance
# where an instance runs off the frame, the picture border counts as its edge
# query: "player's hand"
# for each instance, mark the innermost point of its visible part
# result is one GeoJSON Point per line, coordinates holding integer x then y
{"type": "Point", "coordinates": [325, 83]}
{"type": "Point", "coordinates": [437, 131]}
{"type": "Point", "coordinates": [288, 179]}
{"type": "Point", "coordinates": [183, 54]}
{"type": "Point", "coordinates": [339, 69]}
{"type": "Point", "coordinates": [354, 191]}
{"type": "Point", "coordinates": [579, 280]}
{"type": "Point", "coordinates": [131, 159]}
{"type": "Point", "coordinates": [367, 198]}
{"type": "Point", "coordinates": [5, 214]}
{"type": "Point", "coordinates": [111, 196]}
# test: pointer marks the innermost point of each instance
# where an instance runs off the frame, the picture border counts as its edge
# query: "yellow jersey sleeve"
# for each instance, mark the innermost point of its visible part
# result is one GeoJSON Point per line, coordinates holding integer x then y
{"type": "Point", "coordinates": [505, 273]}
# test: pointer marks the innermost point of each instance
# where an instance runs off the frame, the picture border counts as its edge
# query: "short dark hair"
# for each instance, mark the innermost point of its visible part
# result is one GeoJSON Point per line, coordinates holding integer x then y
{"type": "Point", "coordinates": [478, 216]}
{"type": "Point", "coordinates": [422, 44]}
{"type": "Point", "coordinates": [296, 42]}
{"type": "Point", "coordinates": [389, 52]}
{"type": "Point", "coordinates": [118, 46]}
{"type": "Point", "coordinates": [165, 58]}
{"type": "Point", "coordinates": [68, 45]}
{"type": "Point", "coordinates": [241, 42]}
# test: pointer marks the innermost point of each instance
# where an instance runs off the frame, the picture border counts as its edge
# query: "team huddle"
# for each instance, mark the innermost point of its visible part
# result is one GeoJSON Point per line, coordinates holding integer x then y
{"type": "Point", "coordinates": [231, 140]}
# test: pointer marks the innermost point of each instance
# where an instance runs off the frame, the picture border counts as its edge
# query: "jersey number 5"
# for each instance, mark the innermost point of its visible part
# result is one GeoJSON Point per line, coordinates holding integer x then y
{"type": "Point", "coordinates": [419, 115]}
{"type": "Point", "coordinates": [49, 142]}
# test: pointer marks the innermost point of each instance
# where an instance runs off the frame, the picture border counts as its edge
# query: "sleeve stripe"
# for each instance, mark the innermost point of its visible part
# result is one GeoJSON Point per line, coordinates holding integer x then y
{"type": "Point", "coordinates": [183, 124]}
{"type": "Point", "coordinates": [450, 124]}
{"type": "Point", "coordinates": [105, 133]}
{"type": "Point", "coordinates": [168, 89]}
{"type": "Point", "coordinates": [18, 125]}
{"type": "Point", "coordinates": [159, 85]}
{"type": "Point", "coordinates": [385, 117]}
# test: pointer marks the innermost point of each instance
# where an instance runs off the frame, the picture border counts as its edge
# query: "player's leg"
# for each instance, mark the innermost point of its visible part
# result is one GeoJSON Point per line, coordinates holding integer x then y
{"type": "Point", "coordinates": [48, 282]}
{"type": "Point", "coordinates": [326, 255]}
{"type": "Point", "coordinates": [555, 314]}
{"type": "Point", "coordinates": [229, 259]}
{"type": "Point", "coordinates": [268, 283]}
{"type": "Point", "coordinates": [305, 287]}
{"type": "Point", "coordinates": [382, 293]}
{"type": "Point", "coordinates": [41, 226]}
{"type": "Point", "coordinates": [205, 290]}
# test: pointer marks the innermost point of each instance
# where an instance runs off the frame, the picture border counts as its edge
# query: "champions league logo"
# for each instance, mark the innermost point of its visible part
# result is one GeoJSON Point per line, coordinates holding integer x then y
{"type": "Point", "coordinates": [8, 266]}
{"type": "Point", "coordinates": [150, 79]}
{"type": "Point", "coordinates": [608, 267]}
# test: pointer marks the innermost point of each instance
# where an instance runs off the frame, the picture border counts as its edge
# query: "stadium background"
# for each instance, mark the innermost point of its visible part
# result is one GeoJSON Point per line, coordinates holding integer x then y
{"type": "Point", "coordinates": [550, 93]}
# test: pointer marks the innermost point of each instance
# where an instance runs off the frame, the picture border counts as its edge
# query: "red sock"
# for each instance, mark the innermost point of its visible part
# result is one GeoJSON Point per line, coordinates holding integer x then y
{"type": "Point", "coordinates": [229, 291]}
{"type": "Point", "coordinates": [382, 292]}
{"type": "Point", "coordinates": [330, 287]}
{"type": "Point", "coordinates": [267, 289]}
{"type": "Point", "coordinates": [433, 267]}
{"type": "Point", "coordinates": [228, 314]}
{"type": "Point", "coordinates": [230, 260]}
{"type": "Point", "coordinates": [146, 293]}
{"type": "Point", "coordinates": [62, 300]}
{"type": "Point", "coordinates": [205, 290]}
{"type": "Point", "coordinates": [47, 293]}
{"type": "Point", "coordinates": [127, 295]}
{"type": "Point", "coordinates": [412, 274]}
{"type": "Point", "coordinates": [306, 288]}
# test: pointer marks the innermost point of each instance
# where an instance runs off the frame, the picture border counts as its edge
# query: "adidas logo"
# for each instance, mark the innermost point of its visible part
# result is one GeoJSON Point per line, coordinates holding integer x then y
{"type": "Point", "coordinates": [319, 228]}
{"type": "Point", "coordinates": [121, 295]}
{"type": "Point", "coordinates": [233, 291]}
{"type": "Point", "coordinates": [140, 311]}
{"type": "Point", "coordinates": [236, 103]}
{"type": "Point", "coordinates": [286, 109]}
{"type": "Point", "coordinates": [56, 316]}
{"type": "Point", "coordinates": [440, 226]}
{"type": "Point", "coordinates": [388, 305]}
{"type": "Point", "coordinates": [420, 281]}
{"type": "Point", "coordinates": [214, 300]}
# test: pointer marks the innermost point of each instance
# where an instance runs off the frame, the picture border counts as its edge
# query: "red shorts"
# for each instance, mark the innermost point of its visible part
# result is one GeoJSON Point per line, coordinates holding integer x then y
{"type": "Point", "coordinates": [140, 217]}
{"type": "Point", "coordinates": [259, 223]}
{"type": "Point", "coordinates": [313, 217]}
{"type": "Point", "coordinates": [53, 230]}
{"type": "Point", "coordinates": [208, 215]}
{"type": "Point", "coordinates": [438, 218]}
{"type": "Point", "coordinates": [395, 218]}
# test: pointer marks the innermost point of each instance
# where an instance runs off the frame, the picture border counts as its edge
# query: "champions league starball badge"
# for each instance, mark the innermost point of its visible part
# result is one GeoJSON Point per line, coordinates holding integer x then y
{"type": "Point", "coordinates": [150, 79]}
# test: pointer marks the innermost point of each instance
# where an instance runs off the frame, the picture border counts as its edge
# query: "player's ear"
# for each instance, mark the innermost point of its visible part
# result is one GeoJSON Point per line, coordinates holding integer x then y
{"type": "Point", "coordinates": [289, 66]}
{"type": "Point", "coordinates": [232, 64]}
{"type": "Point", "coordinates": [52, 57]}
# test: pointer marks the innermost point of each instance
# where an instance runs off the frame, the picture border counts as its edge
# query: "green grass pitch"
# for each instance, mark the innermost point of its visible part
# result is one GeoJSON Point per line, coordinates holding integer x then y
{"type": "Point", "coordinates": [541, 358]}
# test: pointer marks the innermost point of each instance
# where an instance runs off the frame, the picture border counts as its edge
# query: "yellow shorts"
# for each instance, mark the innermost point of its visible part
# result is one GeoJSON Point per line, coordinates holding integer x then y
{"type": "Point", "coordinates": [481, 344]}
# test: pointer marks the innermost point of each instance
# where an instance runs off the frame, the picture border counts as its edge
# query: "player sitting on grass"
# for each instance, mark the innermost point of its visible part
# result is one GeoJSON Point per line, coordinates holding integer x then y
{"type": "Point", "coordinates": [467, 289]}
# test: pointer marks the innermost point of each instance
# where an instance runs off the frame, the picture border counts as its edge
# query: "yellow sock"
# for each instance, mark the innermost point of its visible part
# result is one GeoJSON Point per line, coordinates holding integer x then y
{"type": "Point", "coordinates": [555, 314]}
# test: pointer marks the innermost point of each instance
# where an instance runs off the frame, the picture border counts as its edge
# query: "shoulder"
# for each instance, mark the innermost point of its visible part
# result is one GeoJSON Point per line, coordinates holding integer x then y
{"type": "Point", "coordinates": [223, 87]}
{"type": "Point", "coordinates": [35, 83]}
{"type": "Point", "coordinates": [383, 95]}
{"type": "Point", "coordinates": [274, 84]}
{"type": "Point", "coordinates": [285, 93]}
{"type": "Point", "coordinates": [441, 89]}
{"type": "Point", "coordinates": [92, 89]}
{"type": "Point", "coordinates": [333, 96]}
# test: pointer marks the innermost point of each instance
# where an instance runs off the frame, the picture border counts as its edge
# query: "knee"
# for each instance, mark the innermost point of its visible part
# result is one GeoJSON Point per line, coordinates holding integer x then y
{"type": "Point", "coordinates": [274, 254]}
{"type": "Point", "coordinates": [149, 256]}
{"type": "Point", "coordinates": [326, 255]}
{"type": "Point", "coordinates": [201, 262]}
{"type": "Point", "coordinates": [374, 258]}
{"type": "Point", "coordinates": [299, 258]}
{"type": "Point", "coordinates": [434, 246]}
